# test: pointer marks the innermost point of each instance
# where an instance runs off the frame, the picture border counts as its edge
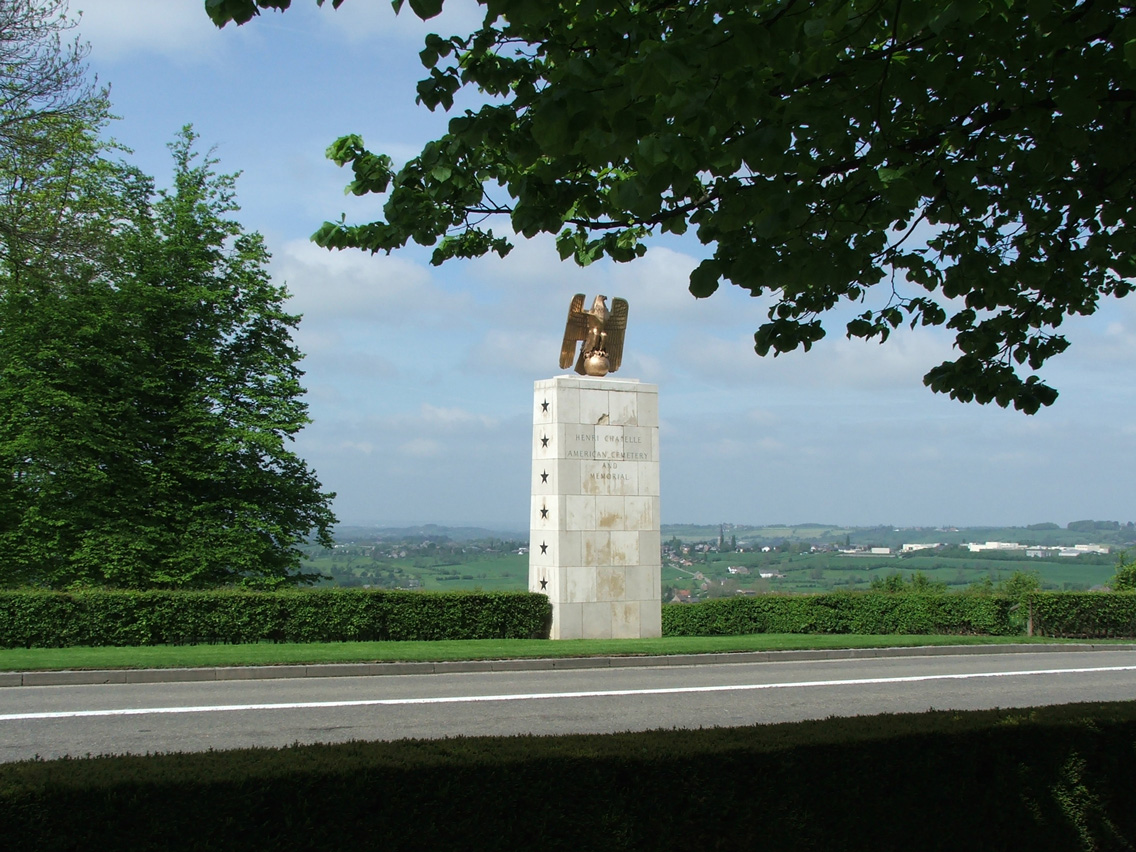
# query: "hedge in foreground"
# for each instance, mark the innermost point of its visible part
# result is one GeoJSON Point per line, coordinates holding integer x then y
{"type": "Point", "coordinates": [41, 619]}
{"type": "Point", "coordinates": [844, 612]}
{"type": "Point", "coordinates": [1049, 778]}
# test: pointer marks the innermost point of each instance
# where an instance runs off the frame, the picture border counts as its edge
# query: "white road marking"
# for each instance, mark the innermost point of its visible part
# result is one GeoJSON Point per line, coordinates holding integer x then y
{"type": "Point", "coordinates": [533, 696]}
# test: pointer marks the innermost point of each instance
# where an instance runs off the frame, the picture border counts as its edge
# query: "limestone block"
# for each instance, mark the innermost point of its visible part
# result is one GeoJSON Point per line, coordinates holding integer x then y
{"type": "Point", "coordinates": [546, 512]}
{"type": "Point", "coordinates": [595, 621]}
{"type": "Point", "coordinates": [639, 513]}
{"type": "Point", "coordinates": [557, 547]}
{"type": "Point", "coordinates": [611, 583]}
{"type": "Point", "coordinates": [625, 620]}
{"type": "Point", "coordinates": [580, 584]}
{"type": "Point", "coordinates": [648, 408]}
{"type": "Point", "coordinates": [610, 477]}
{"type": "Point", "coordinates": [623, 409]}
{"type": "Point", "coordinates": [555, 580]}
{"type": "Point", "coordinates": [552, 477]}
{"type": "Point", "coordinates": [609, 443]}
{"type": "Point", "coordinates": [650, 546]}
{"type": "Point", "coordinates": [638, 444]}
{"type": "Point", "coordinates": [611, 513]}
{"type": "Point", "coordinates": [596, 548]}
{"type": "Point", "coordinates": [567, 621]}
{"type": "Point", "coordinates": [647, 479]}
{"type": "Point", "coordinates": [579, 441]}
{"type": "Point", "coordinates": [650, 619]}
{"type": "Point", "coordinates": [580, 512]}
{"type": "Point", "coordinates": [593, 406]}
{"type": "Point", "coordinates": [624, 547]}
{"type": "Point", "coordinates": [642, 582]}
{"type": "Point", "coordinates": [570, 547]}
{"type": "Point", "coordinates": [556, 401]}
{"type": "Point", "coordinates": [542, 549]}
{"type": "Point", "coordinates": [567, 403]}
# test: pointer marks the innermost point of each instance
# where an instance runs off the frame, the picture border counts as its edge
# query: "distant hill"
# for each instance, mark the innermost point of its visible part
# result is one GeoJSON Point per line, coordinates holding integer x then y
{"type": "Point", "coordinates": [1042, 534]}
{"type": "Point", "coordinates": [346, 533]}
{"type": "Point", "coordinates": [1046, 534]}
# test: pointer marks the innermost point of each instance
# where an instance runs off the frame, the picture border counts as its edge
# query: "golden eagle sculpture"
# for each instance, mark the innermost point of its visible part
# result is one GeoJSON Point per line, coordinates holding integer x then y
{"type": "Point", "coordinates": [601, 331]}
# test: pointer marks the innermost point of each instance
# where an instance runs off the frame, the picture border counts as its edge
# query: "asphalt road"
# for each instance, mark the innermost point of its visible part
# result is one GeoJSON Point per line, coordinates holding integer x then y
{"type": "Point", "coordinates": [77, 720]}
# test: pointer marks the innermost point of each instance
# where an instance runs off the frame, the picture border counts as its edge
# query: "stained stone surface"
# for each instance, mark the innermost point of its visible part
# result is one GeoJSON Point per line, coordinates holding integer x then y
{"type": "Point", "coordinates": [594, 544]}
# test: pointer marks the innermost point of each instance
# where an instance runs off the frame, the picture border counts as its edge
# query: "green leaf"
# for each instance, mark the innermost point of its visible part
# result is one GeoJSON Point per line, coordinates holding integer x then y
{"type": "Point", "coordinates": [425, 9]}
{"type": "Point", "coordinates": [704, 279]}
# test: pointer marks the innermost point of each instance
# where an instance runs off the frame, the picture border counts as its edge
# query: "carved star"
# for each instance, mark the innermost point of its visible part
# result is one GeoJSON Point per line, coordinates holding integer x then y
{"type": "Point", "coordinates": [543, 442]}
{"type": "Point", "coordinates": [543, 548]}
{"type": "Point", "coordinates": [544, 476]}
{"type": "Point", "coordinates": [543, 584]}
{"type": "Point", "coordinates": [544, 513]}
{"type": "Point", "coordinates": [544, 406]}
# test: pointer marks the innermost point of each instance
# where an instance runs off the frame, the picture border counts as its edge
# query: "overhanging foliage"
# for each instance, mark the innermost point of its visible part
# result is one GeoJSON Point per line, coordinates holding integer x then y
{"type": "Point", "coordinates": [965, 164]}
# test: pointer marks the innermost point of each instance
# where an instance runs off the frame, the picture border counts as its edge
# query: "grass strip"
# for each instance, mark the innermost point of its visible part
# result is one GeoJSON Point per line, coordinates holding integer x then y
{"type": "Point", "coordinates": [268, 654]}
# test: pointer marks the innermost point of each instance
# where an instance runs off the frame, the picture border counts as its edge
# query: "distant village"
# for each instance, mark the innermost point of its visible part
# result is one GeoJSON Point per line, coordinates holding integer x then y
{"type": "Point", "coordinates": [690, 557]}
{"type": "Point", "coordinates": [699, 561]}
{"type": "Point", "coordinates": [679, 553]}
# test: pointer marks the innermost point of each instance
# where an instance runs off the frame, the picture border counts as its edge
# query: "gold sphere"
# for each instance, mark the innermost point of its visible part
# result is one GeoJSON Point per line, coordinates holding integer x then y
{"type": "Point", "coordinates": [596, 364]}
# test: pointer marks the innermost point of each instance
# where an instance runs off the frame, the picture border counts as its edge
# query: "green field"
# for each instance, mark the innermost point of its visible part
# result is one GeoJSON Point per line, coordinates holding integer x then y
{"type": "Point", "coordinates": [417, 561]}
{"type": "Point", "coordinates": [803, 572]}
{"type": "Point", "coordinates": [407, 568]}
{"type": "Point", "coordinates": [824, 572]}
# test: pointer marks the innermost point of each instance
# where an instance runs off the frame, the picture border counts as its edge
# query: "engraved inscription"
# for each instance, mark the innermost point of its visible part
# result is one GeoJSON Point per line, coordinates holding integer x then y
{"type": "Point", "coordinates": [586, 445]}
{"type": "Point", "coordinates": [610, 470]}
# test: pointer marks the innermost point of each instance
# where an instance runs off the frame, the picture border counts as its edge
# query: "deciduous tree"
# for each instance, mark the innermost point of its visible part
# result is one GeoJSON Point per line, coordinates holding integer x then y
{"type": "Point", "coordinates": [147, 398]}
{"type": "Point", "coordinates": [965, 164]}
{"type": "Point", "coordinates": [1125, 578]}
{"type": "Point", "coordinates": [149, 385]}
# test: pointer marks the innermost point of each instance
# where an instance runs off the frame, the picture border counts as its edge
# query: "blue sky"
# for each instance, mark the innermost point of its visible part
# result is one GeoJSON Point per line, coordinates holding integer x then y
{"type": "Point", "coordinates": [420, 379]}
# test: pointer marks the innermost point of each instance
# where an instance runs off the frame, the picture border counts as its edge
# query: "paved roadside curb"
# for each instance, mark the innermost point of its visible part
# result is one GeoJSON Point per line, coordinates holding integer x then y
{"type": "Point", "coordinates": [65, 678]}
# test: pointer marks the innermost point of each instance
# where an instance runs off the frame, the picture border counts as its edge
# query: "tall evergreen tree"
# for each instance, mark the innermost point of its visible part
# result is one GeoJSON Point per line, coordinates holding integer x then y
{"type": "Point", "coordinates": [149, 385]}
{"type": "Point", "coordinates": [147, 397]}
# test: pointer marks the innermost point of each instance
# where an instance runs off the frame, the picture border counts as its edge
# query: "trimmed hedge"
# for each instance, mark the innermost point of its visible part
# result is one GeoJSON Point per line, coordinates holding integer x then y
{"type": "Point", "coordinates": [843, 612]}
{"type": "Point", "coordinates": [1046, 779]}
{"type": "Point", "coordinates": [1084, 615]}
{"type": "Point", "coordinates": [43, 619]}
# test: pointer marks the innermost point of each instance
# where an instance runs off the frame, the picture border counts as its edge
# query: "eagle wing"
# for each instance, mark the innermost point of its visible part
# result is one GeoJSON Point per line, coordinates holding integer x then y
{"type": "Point", "coordinates": [574, 330]}
{"type": "Point", "coordinates": [616, 326]}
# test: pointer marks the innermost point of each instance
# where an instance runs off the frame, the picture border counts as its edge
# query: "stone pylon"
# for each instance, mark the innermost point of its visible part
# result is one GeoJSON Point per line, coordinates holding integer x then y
{"type": "Point", "coordinates": [594, 544]}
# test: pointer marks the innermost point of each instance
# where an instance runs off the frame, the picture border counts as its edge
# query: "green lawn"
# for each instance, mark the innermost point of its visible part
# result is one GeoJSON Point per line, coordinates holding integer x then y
{"type": "Point", "coordinates": [266, 654]}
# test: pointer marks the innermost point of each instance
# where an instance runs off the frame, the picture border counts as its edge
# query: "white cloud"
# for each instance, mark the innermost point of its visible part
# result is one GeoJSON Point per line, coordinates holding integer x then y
{"type": "Point", "coordinates": [833, 363]}
{"type": "Point", "coordinates": [422, 448]}
{"type": "Point", "coordinates": [182, 31]}
{"type": "Point", "coordinates": [449, 419]}
{"type": "Point", "coordinates": [519, 352]}
{"type": "Point", "coordinates": [359, 20]}
{"type": "Point", "coordinates": [172, 28]}
{"type": "Point", "coordinates": [337, 286]}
